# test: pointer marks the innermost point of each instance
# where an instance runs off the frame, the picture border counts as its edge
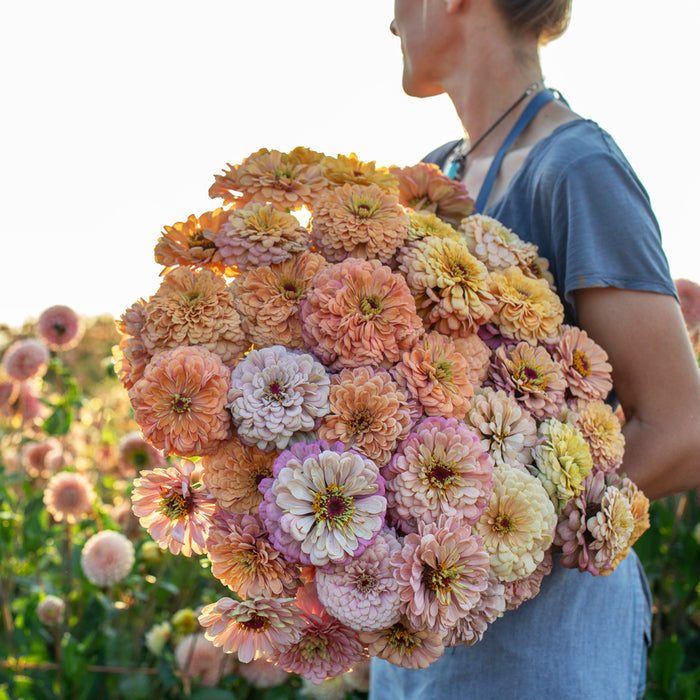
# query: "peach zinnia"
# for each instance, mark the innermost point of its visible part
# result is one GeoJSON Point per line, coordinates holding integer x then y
{"type": "Point", "coordinates": [601, 429]}
{"type": "Point", "coordinates": [359, 313]}
{"type": "Point", "coordinates": [131, 355]}
{"type": "Point", "coordinates": [404, 645]}
{"type": "Point", "coordinates": [344, 170]}
{"type": "Point", "coordinates": [180, 403]}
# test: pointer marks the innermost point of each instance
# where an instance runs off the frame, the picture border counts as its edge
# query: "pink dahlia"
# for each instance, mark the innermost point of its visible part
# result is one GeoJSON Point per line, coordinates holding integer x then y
{"type": "Point", "coordinates": [601, 429]}
{"type": "Point", "coordinates": [107, 558]}
{"type": "Point", "coordinates": [434, 375]}
{"type": "Point", "coordinates": [359, 313]}
{"type": "Point", "coordinates": [584, 363]}
{"type": "Point", "coordinates": [441, 571]}
{"type": "Point", "coordinates": [404, 645]}
{"type": "Point", "coordinates": [262, 673]}
{"type": "Point", "coordinates": [26, 358]}
{"type": "Point", "coordinates": [180, 403]}
{"type": "Point", "coordinates": [199, 660]}
{"type": "Point", "coordinates": [243, 559]}
{"type": "Point", "coordinates": [326, 647]}
{"type": "Point", "coordinates": [136, 453]}
{"type": "Point", "coordinates": [176, 512]}
{"type": "Point", "coordinates": [689, 295]}
{"type": "Point", "coordinates": [368, 412]}
{"type": "Point", "coordinates": [506, 430]}
{"type": "Point", "coordinates": [360, 222]}
{"type": "Point", "coordinates": [364, 594]}
{"type": "Point", "coordinates": [51, 610]}
{"type": "Point", "coordinates": [532, 376]}
{"type": "Point", "coordinates": [277, 394]}
{"type": "Point", "coordinates": [251, 628]}
{"type": "Point", "coordinates": [522, 589]}
{"type": "Point", "coordinates": [68, 496]}
{"type": "Point", "coordinates": [60, 328]}
{"type": "Point", "coordinates": [42, 458]}
{"type": "Point", "coordinates": [440, 469]}
{"type": "Point", "coordinates": [324, 505]}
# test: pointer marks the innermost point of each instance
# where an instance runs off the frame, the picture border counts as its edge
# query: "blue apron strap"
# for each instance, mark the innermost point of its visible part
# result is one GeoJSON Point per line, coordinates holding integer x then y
{"type": "Point", "coordinates": [539, 100]}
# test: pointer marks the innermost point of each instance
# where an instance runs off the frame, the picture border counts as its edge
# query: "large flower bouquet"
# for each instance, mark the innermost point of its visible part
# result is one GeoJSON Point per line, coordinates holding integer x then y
{"type": "Point", "coordinates": [379, 427]}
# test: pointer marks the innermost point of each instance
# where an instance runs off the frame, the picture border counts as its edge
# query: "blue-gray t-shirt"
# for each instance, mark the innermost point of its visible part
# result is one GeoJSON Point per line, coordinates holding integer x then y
{"type": "Point", "coordinates": [579, 200]}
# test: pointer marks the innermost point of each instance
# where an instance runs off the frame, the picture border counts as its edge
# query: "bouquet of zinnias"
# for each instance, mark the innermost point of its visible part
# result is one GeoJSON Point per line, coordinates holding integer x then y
{"type": "Point", "coordinates": [396, 428]}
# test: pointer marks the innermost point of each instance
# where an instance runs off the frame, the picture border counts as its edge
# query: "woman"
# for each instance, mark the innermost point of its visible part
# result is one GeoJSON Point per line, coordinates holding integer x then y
{"type": "Point", "coordinates": [560, 182]}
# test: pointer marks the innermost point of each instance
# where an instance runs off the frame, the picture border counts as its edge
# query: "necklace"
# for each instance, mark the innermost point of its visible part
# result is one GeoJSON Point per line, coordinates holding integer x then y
{"type": "Point", "coordinates": [459, 161]}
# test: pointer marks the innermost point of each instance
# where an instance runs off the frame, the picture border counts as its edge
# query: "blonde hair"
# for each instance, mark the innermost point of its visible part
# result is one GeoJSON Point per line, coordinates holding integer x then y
{"type": "Point", "coordinates": [546, 19]}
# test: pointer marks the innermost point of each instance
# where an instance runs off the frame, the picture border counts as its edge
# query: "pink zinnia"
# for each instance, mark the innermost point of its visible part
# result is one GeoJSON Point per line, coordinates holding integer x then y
{"type": "Point", "coordinates": [440, 469]}
{"type": "Point", "coordinates": [176, 513]}
{"type": "Point", "coordinates": [441, 571]}
{"type": "Point", "coordinates": [25, 358]}
{"type": "Point", "coordinates": [60, 327]}
{"type": "Point", "coordinates": [518, 591]}
{"type": "Point", "coordinates": [404, 645]}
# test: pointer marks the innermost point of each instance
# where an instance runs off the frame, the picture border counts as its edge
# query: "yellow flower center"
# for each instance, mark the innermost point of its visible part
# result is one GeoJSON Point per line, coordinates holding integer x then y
{"type": "Point", "coordinates": [365, 582]}
{"type": "Point", "coordinates": [289, 289]}
{"type": "Point", "coordinates": [314, 648]}
{"type": "Point", "coordinates": [438, 473]}
{"type": "Point", "coordinates": [247, 559]}
{"type": "Point", "coordinates": [503, 524]}
{"type": "Point", "coordinates": [198, 240]}
{"type": "Point", "coordinates": [360, 422]}
{"type": "Point", "coordinates": [443, 371]}
{"type": "Point", "coordinates": [174, 505]}
{"type": "Point", "coordinates": [333, 506]}
{"type": "Point", "coordinates": [256, 624]}
{"type": "Point", "coordinates": [371, 305]}
{"type": "Point", "coordinates": [439, 580]}
{"type": "Point", "coordinates": [401, 638]}
{"type": "Point", "coordinates": [582, 364]}
{"type": "Point", "coordinates": [529, 377]}
{"type": "Point", "coordinates": [180, 404]}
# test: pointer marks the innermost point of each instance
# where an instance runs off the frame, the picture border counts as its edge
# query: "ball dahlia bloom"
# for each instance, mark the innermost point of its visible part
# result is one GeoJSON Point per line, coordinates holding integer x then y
{"type": "Point", "coordinates": [506, 430]}
{"type": "Point", "coordinates": [358, 221]}
{"type": "Point", "coordinates": [42, 458]}
{"type": "Point", "coordinates": [601, 429]}
{"type": "Point", "coordinates": [26, 358]}
{"type": "Point", "coordinates": [439, 469]}
{"type": "Point", "coordinates": [193, 307]}
{"type": "Point", "coordinates": [176, 512]}
{"type": "Point", "coordinates": [434, 375]}
{"type": "Point", "coordinates": [198, 659]}
{"type": "Point", "coordinates": [441, 571]}
{"type": "Point", "coordinates": [268, 299]}
{"type": "Point", "coordinates": [518, 525]}
{"type": "Point", "coordinates": [68, 496]}
{"type": "Point", "coordinates": [233, 472]}
{"type": "Point", "coordinates": [363, 594]}
{"type": "Point", "coordinates": [51, 610]}
{"type": "Point", "coordinates": [584, 363]}
{"type": "Point", "coordinates": [180, 402]}
{"type": "Point", "coordinates": [277, 394]}
{"type": "Point", "coordinates": [358, 313]}
{"type": "Point", "coordinates": [562, 460]}
{"type": "Point", "coordinates": [60, 328]}
{"type": "Point", "coordinates": [243, 558]}
{"type": "Point", "coordinates": [525, 308]}
{"type": "Point", "coordinates": [404, 645]}
{"type": "Point", "coordinates": [107, 558]}
{"type": "Point", "coordinates": [136, 453]}
{"type": "Point", "coordinates": [251, 628]}
{"type": "Point", "coordinates": [324, 504]}
{"type": "Point", "coordinates": [368, 412]}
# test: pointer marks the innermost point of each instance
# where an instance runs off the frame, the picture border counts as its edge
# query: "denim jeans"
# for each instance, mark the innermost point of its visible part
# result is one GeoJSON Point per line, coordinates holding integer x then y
{"type": "Point", "coordinates": [582, 637]}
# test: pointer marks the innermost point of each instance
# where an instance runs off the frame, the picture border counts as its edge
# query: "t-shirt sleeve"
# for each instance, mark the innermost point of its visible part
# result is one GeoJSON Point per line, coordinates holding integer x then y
{"type": "Point", "coordinates": [611, 235]}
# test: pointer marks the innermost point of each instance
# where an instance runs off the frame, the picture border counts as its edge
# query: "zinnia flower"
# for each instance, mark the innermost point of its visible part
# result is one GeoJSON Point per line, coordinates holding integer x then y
{"type": "Point", "coordinates": [562, 460]}
{"type": "Point", "coordinates": [26, 358]}
{"type": "Point", "coordinates": [359, 222]}
{"type": "Point", "coordinates": [60, 328]}
{"type": "Point", "coordinates": [359, 313]}
{"type": "Point", "coordinates": [251, 628]}
{"type": "Point", "coordinates": [449, 284]}
{"type": "Point", "coordinates": [423, 224]}
{"type": "Point", "coordinates": [51, 610]}
{"type": "Point", "coordinates": [507, 431]}
{"type": "Point", "coordinates": [131, 356]}
{"type": "Point", "coordinates": [440, 469]}
{"type": "Point", "coordinates": [262, 673]}
{"type": "Point", "coordinates": [233, 472]}
{"type": "Point", "coordinates": [441, 571]}
{"type": "Point", "coordinates": [689, 295]}
{"type": "Point", "coordinates": [326, 647]}
{"type": "Point", "coordinates": [243, 559]}
{"type": "Point", "coordinates": [518, 591]}
{"type": "Point", "coordinates": [368, 412]}
{"type": "Point", "coordinates": [191, 243]}
{"type": "Point", "coordinates": [136, 454]}
{"type": "Point", "coordinates": [176, 512]}
{"type": "Point", "coordinates": [584, 363]}
{"type": "Point", "coordinates": [180, 403]}
{"type": "Point", "coordinates": [193, 307]}
{"type": "Point", "coordinates": [364, 594]}
{"type": "Point", "coordinates": [404, 645]}
{"type": "Point", "coordinates": [424, 187]}
{"type": "Point", "coordinates": [268, 299]}
{"type": "Point", "coordinates": [611, 528]}
{"type": "Point", "coordinates": [518, 525]}
{"type": "Point", "coordinates": [344, 170]}
{"type": "Point", "coordinates": [478, 356]}
{"type": "Point", "coordinates": [68, 496]}
{"type": "Point", "coordinates": [526, 308]}
{"type": "Point", "coordinates": [601, 429]}
{"type": "Point", "coordinates": [434, 375]}
{"type": "Point", "coordinates": [107, 558]}
{"type": "Point", "coordinates": [275, 394]}
{"type": "Point", "coordinates": [531, 376]}
{"type": "Point", "coordinates": [324, 504]}
{"type": "Point", "coordinates": [198, 659]}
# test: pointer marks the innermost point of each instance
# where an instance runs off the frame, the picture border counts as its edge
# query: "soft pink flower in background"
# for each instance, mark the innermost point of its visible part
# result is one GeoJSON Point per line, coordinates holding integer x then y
{"type": "Point", "coordinates": [51, 610]}
{"type": "Point", "coordinates": [25, 359]}
{"type": "Point", "coordinates": [68, 496]}
{"type": "Point", "coordinates": [198, 659]}
{"type": "Point", "coordinates": [176, 512]}
{"type": "Point", "coordinates": [60, 327]}
{"type": "Point", "coordinates": [262, 673]}
{"type": "Point", "coordinates": [404, 645]}
{"type": "Point", "coordinates": [42, 458]}
{"type": "Point", "coordinates": [136, 453]}
{"type": "Point", "coordinates": [107, 558]}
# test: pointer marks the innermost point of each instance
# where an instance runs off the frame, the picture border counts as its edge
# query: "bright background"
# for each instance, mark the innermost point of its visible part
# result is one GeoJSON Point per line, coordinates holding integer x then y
{"type": "Point", "coordinates": [115, 117]}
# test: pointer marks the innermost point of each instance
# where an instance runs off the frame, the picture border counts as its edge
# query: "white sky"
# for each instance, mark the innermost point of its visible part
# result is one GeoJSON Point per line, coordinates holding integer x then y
{"type": "Point", "coordinates": [116, 116]}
